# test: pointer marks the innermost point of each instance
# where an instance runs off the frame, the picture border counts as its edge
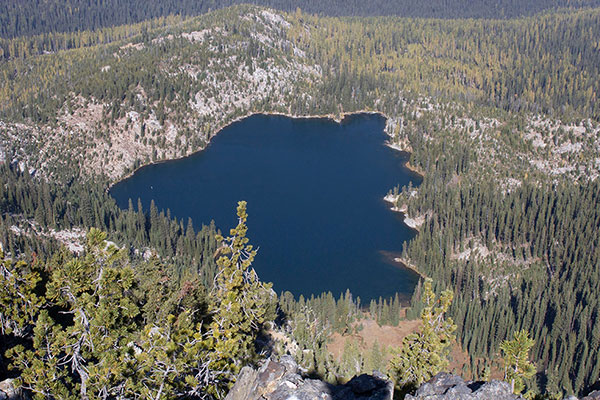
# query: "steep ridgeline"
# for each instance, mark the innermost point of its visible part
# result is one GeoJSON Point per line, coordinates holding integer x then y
{"type": "Point", "coordinates": [27, 17]}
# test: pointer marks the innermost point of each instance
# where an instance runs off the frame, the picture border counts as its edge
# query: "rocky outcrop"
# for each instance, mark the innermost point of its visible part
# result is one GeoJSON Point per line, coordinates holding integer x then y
{"type": "Point", "coordinates": [280, 380]}
{"type": "Point", "coordinates": [8, 391]}
{"type": "Point", "coordinates": [595, 395]}
{"type": "Point", "coordinates": [446, 386]}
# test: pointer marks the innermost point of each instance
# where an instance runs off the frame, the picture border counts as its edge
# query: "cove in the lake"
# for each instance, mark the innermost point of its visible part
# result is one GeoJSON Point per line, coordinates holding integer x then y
{"type": "Point", "coordinates": [315, 192]}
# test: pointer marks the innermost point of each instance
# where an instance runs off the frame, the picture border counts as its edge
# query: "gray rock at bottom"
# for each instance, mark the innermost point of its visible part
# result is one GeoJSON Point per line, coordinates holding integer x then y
{"type": "Point", "coordinates": [279, 380]}
{"type": "Point", "coordinates": [8, 391]}
{"type": "Point", "coordinates": [446, 386]}
{"type": "Point", "coordinates": [595, 395]}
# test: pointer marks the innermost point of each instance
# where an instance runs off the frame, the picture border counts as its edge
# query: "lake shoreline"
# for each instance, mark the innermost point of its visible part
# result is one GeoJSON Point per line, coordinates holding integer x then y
{"type": "Point", "coordinates": [407, 164]}
{"type": "Point", "coordinates": [336, 118]}
{"type": "Point", "coordinates": [374, 168]}
{"type": "Point", "coordinates": [399, 262]}
{"type": "Point", "coordinates": [413, 223]}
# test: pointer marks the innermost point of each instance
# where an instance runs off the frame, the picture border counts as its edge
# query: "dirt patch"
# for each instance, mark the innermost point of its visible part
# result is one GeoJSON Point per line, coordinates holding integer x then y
{"type": "Point", "coordinates": [458, 358]}
{"type": "Point", "coordinates": [385, 335]}
{"type": "Point", "coordinates": [389, 336]}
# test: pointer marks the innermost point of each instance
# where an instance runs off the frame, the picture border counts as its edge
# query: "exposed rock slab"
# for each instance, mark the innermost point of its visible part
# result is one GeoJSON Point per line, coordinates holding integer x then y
{"type": "Point", "coordinates": [595, 395]}
{"type": "Point", "coordinates": [280, 380]}
{"type": "Point", "coordinates": [8, 391]}
{"type": "Point", "coordinates": [446, 386]}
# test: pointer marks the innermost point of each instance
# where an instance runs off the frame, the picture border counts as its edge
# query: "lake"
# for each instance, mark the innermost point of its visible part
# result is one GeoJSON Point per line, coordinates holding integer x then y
{"type": "Point", "coordinates": [315, 192]}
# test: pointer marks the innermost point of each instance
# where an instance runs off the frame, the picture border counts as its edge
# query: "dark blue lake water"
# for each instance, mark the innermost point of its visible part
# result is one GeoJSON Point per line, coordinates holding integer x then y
{"type": "Point", "coordinates": [315, 193]}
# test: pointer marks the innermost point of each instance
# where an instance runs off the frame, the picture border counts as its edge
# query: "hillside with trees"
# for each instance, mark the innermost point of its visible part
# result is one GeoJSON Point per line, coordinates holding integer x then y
{"type": "Point", "coordinates": [35, 17]}
{"type": "Point", "coordinates": [500, 116]}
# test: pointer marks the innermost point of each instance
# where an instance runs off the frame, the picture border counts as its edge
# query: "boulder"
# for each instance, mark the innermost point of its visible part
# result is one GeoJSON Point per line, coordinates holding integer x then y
{"type": "Point", "coordinates": [8, 391]}
{"type": "Point", "coordinates": [280, 380]}
{"type": "Point", "coordinates": [446, 386]}
{"type": "Point", "coordinates": [595, 395]}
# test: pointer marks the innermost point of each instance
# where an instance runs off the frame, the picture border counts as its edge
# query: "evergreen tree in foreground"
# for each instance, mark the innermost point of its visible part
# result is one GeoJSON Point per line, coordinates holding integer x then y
{"type": "Point", "coordinates": [81, 352]}
{"type": "Point", "coordinates": [88, 331]}
{"type": "Point", "coordinates": [425, 353]}
{"type": "Point", "coordinates": [517, 366]}
{"type": "Point", "coordinates": [240, 301]}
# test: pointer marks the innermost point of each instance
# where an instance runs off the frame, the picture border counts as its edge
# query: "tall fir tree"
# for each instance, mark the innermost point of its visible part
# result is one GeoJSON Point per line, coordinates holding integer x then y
{"type": "Point", "coordinates": [240, 300]}
{"type": "Point", "coordinates": [425, 353]}
{"type": "Point", "coordinates": [517, 367]}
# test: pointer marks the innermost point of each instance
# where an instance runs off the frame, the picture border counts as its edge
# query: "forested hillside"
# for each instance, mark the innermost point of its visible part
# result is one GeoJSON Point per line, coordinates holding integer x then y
{"type": "Point", "coordinates": [163, 92]}
{"type": "Point", "coordinates": [34, 17]}
{"type": "Point", "coordinates": [524, 259]}
{"type": "Point", "coordinates": [500, 116]}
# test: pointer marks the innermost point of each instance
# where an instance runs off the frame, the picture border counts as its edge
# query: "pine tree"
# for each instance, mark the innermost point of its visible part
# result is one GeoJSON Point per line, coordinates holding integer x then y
{"type": "Point", "coordinates": [84, 358]}
{"type": "Point", "coordinates": [19, 303]}
{"type": "Point", "coordinates": [517, 366]}
{"type": "Point", "coordinates": [241, 301]}
{"type": "Point", "coordinates": [425, 353]}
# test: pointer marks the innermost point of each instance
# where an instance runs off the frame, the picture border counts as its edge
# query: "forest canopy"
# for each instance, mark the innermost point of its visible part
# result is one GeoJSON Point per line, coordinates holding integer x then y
{"type": "Point", "coordinates": [33, 17]}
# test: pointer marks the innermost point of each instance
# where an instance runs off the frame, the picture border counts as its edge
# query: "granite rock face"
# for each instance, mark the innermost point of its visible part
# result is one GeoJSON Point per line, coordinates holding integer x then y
{"type": "Point", "coordinates": [446, 386]}
{"type": "Point", "coordinates": [8, 391]}
{"type": "Point", "coordinates": [280, 380]}
{"type": "Point", "coordinates": [595, 395]}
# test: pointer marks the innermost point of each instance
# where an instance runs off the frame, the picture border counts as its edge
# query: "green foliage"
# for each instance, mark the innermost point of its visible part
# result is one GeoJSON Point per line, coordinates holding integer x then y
{"type": "Point", "coordinates": [547, 226]}
{"type": "Point", "coordinates": [239, 301]}
{"type": "Point", "coordinates": [28, 17]}
{"type": "Point", "coordinates": [482, 62]}
{"type": "Point", "coordinates": [98, 330]}
{"type": "Point", "coordinates": [20, 302]}
{"type": "Point", "coordinates": [549, 233]}
{"type": "Point", "coordinates": [186, 255]}
{"type": "Point", "coordinates": [85, 355]}
{"type": "Point", "coordinates": [173, 360]}
{"type": "Point", "coordinates": [425, 353]}
{"type": "Point", "coordinates": [517, 366]}
{"type": "Point", "coordinates": [192, 354]}
{"type": "Point", "coordinates": [376, 358]}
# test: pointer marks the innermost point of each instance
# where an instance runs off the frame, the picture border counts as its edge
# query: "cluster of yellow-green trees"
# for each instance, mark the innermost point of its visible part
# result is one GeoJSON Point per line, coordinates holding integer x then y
{"type": "Point", "coordinates": [79, 328]}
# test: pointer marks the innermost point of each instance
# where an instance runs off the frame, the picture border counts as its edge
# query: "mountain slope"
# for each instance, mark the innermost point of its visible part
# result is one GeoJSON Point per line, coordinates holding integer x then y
{"type": "Point", "coordinates": [31, 17]}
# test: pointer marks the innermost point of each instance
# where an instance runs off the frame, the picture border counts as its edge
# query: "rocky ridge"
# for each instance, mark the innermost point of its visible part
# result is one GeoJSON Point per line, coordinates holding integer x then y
{"type": "Point", "coordinates": [283, 380]}
{"type": "Point", "coordinates": [445, 386]}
